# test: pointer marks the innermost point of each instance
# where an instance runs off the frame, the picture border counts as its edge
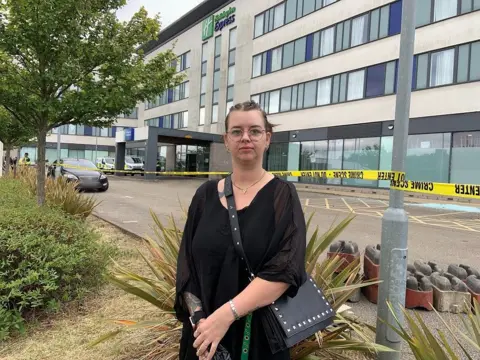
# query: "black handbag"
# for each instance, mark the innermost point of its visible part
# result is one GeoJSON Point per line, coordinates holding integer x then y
{"type": "Point", "coordinates": [288, 320]}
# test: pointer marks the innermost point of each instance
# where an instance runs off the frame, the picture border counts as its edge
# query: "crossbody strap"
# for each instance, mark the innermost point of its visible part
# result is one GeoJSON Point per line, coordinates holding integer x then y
{"type": "Point", "coordinates": [234, 224]}
{"type": "Point", "coordinates": [238, 246]}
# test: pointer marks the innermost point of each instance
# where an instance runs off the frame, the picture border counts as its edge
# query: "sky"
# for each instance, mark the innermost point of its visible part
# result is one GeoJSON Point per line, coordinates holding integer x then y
{"type": "Point", "coordinates": [168, 13]}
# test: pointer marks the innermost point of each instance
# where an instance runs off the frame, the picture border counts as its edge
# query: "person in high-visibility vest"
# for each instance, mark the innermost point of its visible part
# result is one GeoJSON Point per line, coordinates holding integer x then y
{"type": "Point", "coordinates": [25, 160]}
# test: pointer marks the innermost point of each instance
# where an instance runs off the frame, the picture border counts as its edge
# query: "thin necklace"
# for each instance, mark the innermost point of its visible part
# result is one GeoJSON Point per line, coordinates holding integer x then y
{"type": "Point", "coordinates": [248, 187]}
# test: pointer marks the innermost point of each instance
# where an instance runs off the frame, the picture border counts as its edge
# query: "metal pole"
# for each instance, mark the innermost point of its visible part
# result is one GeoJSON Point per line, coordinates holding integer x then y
{"type": "Point", "coordinates": [394, 246]}
{"type": "Point", "coordinates": [59, 143]}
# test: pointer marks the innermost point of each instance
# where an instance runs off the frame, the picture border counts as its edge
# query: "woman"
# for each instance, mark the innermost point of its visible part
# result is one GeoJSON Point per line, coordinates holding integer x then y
{"type": "Point", "coordinates": [213, 288]}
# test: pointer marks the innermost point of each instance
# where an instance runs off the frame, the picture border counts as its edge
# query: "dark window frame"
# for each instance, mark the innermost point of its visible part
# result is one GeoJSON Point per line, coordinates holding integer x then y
{"type": "Point", "coordinates": [272, 9]}
{"type": "Point", "coordinates": [365, 69]}
{"type": "Point", "coordinates": [342, 24]}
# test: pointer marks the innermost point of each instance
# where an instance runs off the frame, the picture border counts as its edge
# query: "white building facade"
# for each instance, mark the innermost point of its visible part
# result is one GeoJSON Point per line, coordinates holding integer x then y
{"type": "Point", "coordinates": [325, 71]}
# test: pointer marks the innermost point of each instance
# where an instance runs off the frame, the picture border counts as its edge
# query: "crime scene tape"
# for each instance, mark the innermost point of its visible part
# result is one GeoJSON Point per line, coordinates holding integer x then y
{"type": "Point", "coordinates": [397, 179]}
{"type": "Point", "coordinates": [470, 191]}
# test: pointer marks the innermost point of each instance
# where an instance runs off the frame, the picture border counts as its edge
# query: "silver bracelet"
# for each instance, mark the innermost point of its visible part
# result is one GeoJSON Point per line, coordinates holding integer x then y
{"type": "Point", "coordinates": [234, 310]}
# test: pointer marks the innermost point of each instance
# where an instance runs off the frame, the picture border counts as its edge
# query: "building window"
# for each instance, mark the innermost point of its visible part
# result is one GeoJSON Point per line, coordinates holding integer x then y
{"type": "Point", "coordinates": [286, 12]}
{"type": "Point", "coordinates": [375, 84]}
{"type": "Point", "coordinates": [216, 78]}
{"type": "Point", "coordinates": [299, 55]}
{"type": "Point", "coordinates": [324, 90]}
{"type": "Point", "coordinates": [358, 154]}
{"type": "Point", "coordinates": [182, 62]}
{"type": "Point", "coordinates": [288, 55]}
{"type": "Point", "coordinates": [277, 59]}
{"type": "Point", "coordinates": [423, 12]}
{"type": "Point", "coordinates": [259, 20]}
{"type": "Point", "coordinates": [475, 60]}
{"type": "Point", "coordinates": [285, 99]}
{"type": "Point", "coordinates": [232, 43]}
{"type": "Point", "coordinates": [355, 85]}
{"type": "Point", "coordinates": [203, 83]}
{"type": "Point", "coordinates": [465, 167]}
{"type": "Point", "coordinates": [231, 75]}
{"type": "Point", "coordinates": [310, 94]}
{"type": "Point", "coordinates": [360, 30]}
{"type": "Point", "coordinates": [279, 15]}
{"type": "Point", "coordinates": [229, 106]}
{"type": "Point", "coordinates": [441, 67]}
{"type": "Point", "coordinates": [444, 9]}
{"type": "Point", "coordinates": [327, 41]}
{"type": "Point", "coordinates": [373, 25]}
{"type": "Point", "coordinates": [71, 129]}
{"type": "Point", "coordinates": [257, 66]}
{"type": "Point", "coordinates": [214, 113]}
{"type": "Point", "coordinates": [201, 120]}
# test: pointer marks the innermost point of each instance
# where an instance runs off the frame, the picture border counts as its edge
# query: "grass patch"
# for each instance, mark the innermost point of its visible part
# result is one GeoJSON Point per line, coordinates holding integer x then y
{"type": "Point", "coordinates": [66, 335]}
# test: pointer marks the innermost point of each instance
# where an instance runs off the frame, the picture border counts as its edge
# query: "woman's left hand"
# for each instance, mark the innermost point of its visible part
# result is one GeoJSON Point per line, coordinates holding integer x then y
{"type": "Point", "coordinates": [211, 331]}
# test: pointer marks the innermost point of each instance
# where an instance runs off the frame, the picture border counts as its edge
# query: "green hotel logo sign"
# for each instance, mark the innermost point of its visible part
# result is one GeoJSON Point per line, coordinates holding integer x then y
{"type": "Point", "coordinates": [217, 22]}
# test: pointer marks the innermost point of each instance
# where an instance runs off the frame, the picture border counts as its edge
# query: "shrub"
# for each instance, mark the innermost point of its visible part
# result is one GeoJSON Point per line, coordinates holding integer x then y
{"type": "Point", "coordinates": [46, 256]}
{"type": "Point", "coordinates": [59, 192]}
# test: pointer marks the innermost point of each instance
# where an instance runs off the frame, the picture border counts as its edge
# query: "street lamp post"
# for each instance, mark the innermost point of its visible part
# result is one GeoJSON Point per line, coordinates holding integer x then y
{"type": "Point", "coordinates": [394, 246]}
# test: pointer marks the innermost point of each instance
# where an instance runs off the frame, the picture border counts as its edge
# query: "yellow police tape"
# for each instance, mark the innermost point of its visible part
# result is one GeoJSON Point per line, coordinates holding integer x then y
{"type": "Point", "coordinates": [397, 179]}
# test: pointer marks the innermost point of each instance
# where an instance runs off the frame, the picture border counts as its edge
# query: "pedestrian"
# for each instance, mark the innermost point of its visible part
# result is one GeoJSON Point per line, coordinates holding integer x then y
{"type": "Point", "coordinates": [25, 160]}
{"type": "Point", "coordinates": [215, 295]}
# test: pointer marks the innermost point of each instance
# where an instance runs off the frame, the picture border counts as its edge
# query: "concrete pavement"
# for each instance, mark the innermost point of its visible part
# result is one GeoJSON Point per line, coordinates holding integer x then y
{"type": "Point", "coordinates": [435, 235]}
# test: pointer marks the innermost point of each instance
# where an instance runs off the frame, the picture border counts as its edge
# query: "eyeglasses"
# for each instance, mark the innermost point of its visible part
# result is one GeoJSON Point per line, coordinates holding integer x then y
{"type": "Point", "coordinates": [253, 134]}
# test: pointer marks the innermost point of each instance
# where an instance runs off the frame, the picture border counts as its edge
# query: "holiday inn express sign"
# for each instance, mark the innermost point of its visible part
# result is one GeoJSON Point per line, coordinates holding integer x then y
{"type": "Point", "coordinates": [217, 22]}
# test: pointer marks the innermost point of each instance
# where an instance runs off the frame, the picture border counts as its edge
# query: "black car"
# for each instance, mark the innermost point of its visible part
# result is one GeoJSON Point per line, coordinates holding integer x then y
{"type": "Point", "coordinates": [82, 171]}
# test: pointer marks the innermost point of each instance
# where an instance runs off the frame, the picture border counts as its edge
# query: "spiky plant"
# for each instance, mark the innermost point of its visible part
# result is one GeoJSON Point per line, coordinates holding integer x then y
{"type": "Point", "coordinates": [347, 333]}
{"type": "Point", "coordinates": [59, 192]}
{"type": "Point", "coordinates": [426, 345]}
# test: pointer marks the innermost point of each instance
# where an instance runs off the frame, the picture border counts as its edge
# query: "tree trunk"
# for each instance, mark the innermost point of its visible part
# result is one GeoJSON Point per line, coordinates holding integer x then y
{"type": "Point", "coordinates": [8, 148]}
{"type": "Point", "coordinates": [41, 144]}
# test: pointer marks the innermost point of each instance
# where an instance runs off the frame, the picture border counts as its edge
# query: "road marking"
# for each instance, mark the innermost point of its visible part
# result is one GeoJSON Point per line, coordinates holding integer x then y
{"type": "Point", "coordinates": [128, 197]}
{"type": "Point", "coordinates": [450, 213]}
{"type": "Point", "coordinates": [379, 213]}
{"type": "Point", "coordinates": [383, 202]}
{"type": "Point", "coordinates": [130, 221]}
{"type": "Point", "coordinates": [417, 219]}
{"type": "Point", "coordinates": [364, 203]}
{"type": "Point", "coordinates": [464, 226]}
{"type": "Point", "coordinates": [307, 202]}
{"type": "Point", "coordinates": [447, 225]}
{"type": "Point", "coordinates": [327, 204]}
{"type": "Point", "coordinates": [348, 206]}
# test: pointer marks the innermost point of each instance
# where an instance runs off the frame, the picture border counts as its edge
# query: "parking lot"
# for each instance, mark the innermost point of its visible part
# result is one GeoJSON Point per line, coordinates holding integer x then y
{"type": "Point", "coordinates": [465, 218]}
{"type": "Point", "coordinates": [439, 235]}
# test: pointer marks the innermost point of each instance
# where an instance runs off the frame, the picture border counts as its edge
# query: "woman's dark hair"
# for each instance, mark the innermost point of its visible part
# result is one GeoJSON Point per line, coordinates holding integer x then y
{"type": "Point", "coordinates": [249, 106]}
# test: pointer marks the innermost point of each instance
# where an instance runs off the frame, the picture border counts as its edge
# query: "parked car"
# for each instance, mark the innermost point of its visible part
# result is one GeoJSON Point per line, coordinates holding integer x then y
{"type": "Point", "coordinates": [82, 171]}
{"type": "Point", "coordinates": [134, 164]}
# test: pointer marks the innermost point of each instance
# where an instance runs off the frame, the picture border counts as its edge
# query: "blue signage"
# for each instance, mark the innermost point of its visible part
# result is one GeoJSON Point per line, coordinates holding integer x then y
{"type": "Point", "coordinates": [129, 134]}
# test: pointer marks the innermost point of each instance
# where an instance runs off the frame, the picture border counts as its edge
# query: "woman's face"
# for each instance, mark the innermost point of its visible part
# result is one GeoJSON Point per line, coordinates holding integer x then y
{"type": "Point", "coordinates": [247, 138]}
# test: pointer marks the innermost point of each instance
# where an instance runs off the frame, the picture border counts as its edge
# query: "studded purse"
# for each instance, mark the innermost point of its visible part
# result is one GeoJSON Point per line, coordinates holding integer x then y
{"type": "Point", "coordinates": [288, 320]}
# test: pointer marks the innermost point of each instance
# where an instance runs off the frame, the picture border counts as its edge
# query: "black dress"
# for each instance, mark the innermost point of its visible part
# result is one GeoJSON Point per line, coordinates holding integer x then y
{"type": "Point", "coordinates": [274, 239]}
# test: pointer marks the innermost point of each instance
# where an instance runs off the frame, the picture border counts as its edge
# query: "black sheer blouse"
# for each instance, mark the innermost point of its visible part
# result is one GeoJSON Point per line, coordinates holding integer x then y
{"type": "Point", "coordinates": [274, 238]}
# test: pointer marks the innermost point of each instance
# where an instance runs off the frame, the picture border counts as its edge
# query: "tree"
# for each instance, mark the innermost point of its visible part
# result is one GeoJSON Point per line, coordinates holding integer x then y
{"type": "Point", "coordinates": [73, 62]}
{"type": "Point", "coordinates": [12, 134]}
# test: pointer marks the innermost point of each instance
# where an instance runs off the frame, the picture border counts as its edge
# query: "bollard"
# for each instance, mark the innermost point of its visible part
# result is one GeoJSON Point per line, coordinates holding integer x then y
{"type": "Point", "coordinates": [371, 270]}
{"type": "Point", "coordinates": [348, 251]}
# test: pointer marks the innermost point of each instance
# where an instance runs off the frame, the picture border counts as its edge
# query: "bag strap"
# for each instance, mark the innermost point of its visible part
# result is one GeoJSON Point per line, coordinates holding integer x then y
{"type": "Point", "coordinates": [234, 224]}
